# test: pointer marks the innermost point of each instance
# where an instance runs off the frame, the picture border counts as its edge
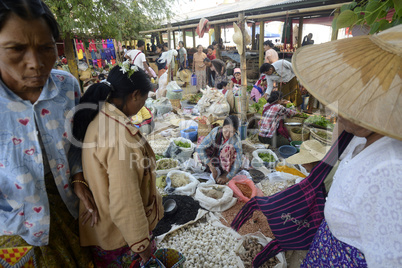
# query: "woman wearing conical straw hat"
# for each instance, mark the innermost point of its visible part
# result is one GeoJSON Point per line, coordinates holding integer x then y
{"type": "Point", "coordinates": [361, 79]}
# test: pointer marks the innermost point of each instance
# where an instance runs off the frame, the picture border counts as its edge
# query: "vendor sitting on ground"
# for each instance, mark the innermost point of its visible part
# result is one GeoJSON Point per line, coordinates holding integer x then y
{"type": "Point", "coordinates": [143, 120]}
{"type": "Point", "coordinates": [222, 149]}
{"type": "Point", "coordinates": [259, 89]}
{"type": "Point", "coordinates": [236, 79]}
{"type": "Point", "coordinates": [272, 130]}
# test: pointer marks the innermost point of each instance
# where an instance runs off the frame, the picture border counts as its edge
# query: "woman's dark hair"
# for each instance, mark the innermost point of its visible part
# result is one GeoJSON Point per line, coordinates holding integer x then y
{"type": "Point", "coordinates": [265, 68]}
{"type": "Point", "coordinates": [181, 42]}
{"type": "Point", "coordinates": [160, 46]}
{"type": "Point", "coordinates": [275, 96]}
{"type": "Point", "coordinates": [214, 43]}
{"type": "Point", "coordinates": [207, 60]}
{"type": "Point", "coordinates": [199, 46]}
{"type": "Point", "coordinates": [165, 45]}
{"type": "Point", "coordinates": [119, 86]}
{"type": "Point", "coordinates": [29, 10]}
{"type": "Point", "coordinates": [268, 43]}
{"type": "Point", "coordinates": [232, 120]}
{"type": "Point", "coordinates": [221, 85]}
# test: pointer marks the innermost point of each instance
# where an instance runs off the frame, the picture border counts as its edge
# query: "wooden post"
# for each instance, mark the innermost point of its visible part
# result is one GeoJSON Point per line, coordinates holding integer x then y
{"type": "Point", "coordinates": [194, 45]}
{"type": "Point", "coordinates": [174, 39]}
{"type": "Point", "coordinates": [184, 39]}
{"type": "Point", "coordinates": [300, 33]}
{"type": "Point", "coordinates": [169, 46]}
{"type": "Point", "coordinates": [70, 55]}
{"type": "Point", "coordinates": [160, 38]}
{"type": "Point", "coordinates": [334, 35]}
{"type": "Point", "coordinates": [217, 30]}
{"type": "Point", "coordinates": [261, 43]}
{"type": "Point", "coordinates": [253, 37]}
{"type": "Point", "coordinates": [243, 66]}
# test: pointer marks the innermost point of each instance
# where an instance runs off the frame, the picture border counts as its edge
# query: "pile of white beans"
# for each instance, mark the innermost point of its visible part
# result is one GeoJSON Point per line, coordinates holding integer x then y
{"type": "Point", "coordinates": [204, 245]}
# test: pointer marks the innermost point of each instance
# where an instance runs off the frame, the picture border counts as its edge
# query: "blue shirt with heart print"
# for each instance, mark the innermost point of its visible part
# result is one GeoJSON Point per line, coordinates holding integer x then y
{"type": "Point", "coordinates": [24, 206]}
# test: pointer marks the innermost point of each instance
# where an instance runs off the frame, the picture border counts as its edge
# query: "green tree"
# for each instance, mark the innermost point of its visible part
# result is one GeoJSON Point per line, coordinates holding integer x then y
{"type": "Point", "coordinates": [369, 12]}
{"type": "Point", "coordinates": [118, 19]}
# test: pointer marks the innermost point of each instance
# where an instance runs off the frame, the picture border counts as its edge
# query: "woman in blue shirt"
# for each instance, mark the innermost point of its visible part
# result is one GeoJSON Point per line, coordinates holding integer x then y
{"type": "Point", "coordinates": [221, 150]}
{"type": "Point", "coordinates": [40, 171]}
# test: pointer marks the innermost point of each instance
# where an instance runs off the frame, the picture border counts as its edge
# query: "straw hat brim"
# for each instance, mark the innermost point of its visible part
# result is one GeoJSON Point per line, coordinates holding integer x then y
{"type": "Point", "coordinates": [185, 75]}
{"type": "Point", "coordinates": [238, 38]}
{"type": "Point", "coordinates": [310, 151]}
{"type": "Point", "coordinates": [360, 78]}
{"type": "Point", "coordinates": [303, 157]}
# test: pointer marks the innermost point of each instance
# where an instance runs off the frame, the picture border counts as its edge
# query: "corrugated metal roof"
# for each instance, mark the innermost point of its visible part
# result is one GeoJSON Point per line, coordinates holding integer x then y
{"type": "Point", "coordinates": [226, 9]}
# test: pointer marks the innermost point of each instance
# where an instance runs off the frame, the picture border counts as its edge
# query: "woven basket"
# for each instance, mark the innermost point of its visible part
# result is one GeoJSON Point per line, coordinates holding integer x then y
{"type": "Point", "coordinates": [294, 119]}
{"type": "Point", "coordinates": [299, 137]}
{"type": "Point", "coordinates": [171, 258]}
{"type": "Point", "coordinates": [203, 129]}
{"type": "Point", "coordinates": [175, 104]}
{"type": "Point", "coordinates": [319, 138]}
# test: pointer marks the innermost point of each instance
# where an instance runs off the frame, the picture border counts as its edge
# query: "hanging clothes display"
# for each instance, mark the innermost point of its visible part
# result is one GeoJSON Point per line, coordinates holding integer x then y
{"type": "Point", "coordinates": [79, 45]}
{"type": "Point", "coordinates": [92, 46]}
{"type": "Point", "coordinates": [104, 44]}
{"type": "Point", "coordinates": [80, 54]}
{"type": "Point", "coordinates": [99, 46]}
{"type": "Point", "coordinates": [98, 54]}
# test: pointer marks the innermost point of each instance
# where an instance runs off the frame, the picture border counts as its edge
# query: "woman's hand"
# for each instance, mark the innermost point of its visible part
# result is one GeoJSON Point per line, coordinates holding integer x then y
{"type": "Point", "coordinates": [86, 197]}
{"type": "Point", "coordinates": [213, 171]}
{"type": "Point", "coordinates": [222, 180]}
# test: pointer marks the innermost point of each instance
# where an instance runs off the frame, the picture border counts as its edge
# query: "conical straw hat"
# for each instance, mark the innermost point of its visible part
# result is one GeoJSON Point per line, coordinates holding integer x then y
{"type": "Point", "coordinates": [185, 75]}
{"type": "Point", "coordinates": [238, 38]}
{"type": "Point", "coordinates": [360, 78]}
{"type": "Point", "coordinates": [310, 151]}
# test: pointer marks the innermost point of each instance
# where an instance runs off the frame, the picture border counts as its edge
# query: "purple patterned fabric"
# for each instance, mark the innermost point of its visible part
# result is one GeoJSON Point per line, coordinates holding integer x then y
{"type": "Point", "coordinates": [294, 214]}
{"type": "Point", "coordinates": [121, 257]}
{"type": "Point", "coordinates": [327, 251]}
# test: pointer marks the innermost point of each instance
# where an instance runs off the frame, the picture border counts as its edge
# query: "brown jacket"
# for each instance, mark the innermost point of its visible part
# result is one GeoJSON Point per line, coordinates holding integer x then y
{"type": "Point", "coordinates": [119, 166]}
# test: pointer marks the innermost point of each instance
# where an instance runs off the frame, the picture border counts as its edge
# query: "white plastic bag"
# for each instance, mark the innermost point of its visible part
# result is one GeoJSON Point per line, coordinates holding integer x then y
{"type": "Point", "coordinates": [162, 172]}
{"type": "Point", "coordinates": [162, 106]}
{"type": "Point", "coordinates": [263, 240]}
{"type": "Point", "coordinates": [188, 189]}
{"type": "Point", "coordinates": [179, 153]}
{"type": "Point", "coordinates": [257, 161]}
{"type": "Point", "coordinates": [220, 108]}
{"type": "Point", "coordinates": [224, 203]}
{"type": "Point", "coordinates": [163, 81]}
{"type": "Point", "coordinates": [193, 166]}
{"type": "Point", "coordinates": [204, 178]}
{"type": "Point", "coordinates": [174, 91]}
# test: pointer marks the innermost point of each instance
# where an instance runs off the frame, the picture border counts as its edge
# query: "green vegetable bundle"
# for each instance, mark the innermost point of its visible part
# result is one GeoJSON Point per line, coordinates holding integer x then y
{"type": "Point", "coordinates": [259, 105]}
{"type": "Point", "coordinates": [289, 105]}
{"type": "Point", "coordinates": [182, 144]}
{"type": "Point", "coordinates": [319, 121]}
{"type": "Point", "coordinates": [266, 157]}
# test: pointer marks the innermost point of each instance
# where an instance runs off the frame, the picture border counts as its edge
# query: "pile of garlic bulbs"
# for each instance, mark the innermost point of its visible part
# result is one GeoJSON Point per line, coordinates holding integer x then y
{"type": "Point", "coordinates": [204, 245]}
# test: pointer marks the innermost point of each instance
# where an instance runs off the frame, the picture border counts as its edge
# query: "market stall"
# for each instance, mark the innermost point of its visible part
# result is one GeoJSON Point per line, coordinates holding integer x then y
{"type": "Point", "coordinates": [198, 211]}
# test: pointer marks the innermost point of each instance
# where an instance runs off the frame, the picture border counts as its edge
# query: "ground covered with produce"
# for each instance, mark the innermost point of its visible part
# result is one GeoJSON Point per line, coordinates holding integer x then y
{"type": "Point", "coordinates": [198, 226]}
